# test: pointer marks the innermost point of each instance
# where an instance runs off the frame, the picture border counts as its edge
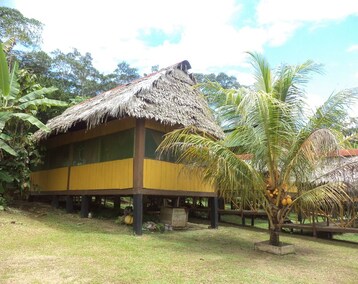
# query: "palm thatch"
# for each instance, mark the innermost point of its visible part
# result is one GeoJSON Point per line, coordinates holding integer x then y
{"type": "Point", "coordinates": [340, 169]}
{"type": "Point", "coordinates": [167, 96]}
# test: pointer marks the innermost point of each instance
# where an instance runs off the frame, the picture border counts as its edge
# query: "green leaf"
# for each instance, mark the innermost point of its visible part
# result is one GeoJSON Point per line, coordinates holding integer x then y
{"type": "Point", "coordinates": [38, 94]}
{"type": "Point", "coordinates": [5, 137]}
{"type": "Point", "coordinates": [7, 148]}
{"type": "Point", "coordinates": [6, 177]}
{"type": "Point", "coordinates": [4, 73]}
{"type": "Point", "coordinates": [31, 119]}
{"type": "Point", "coordinates": [42, 102]}
{"type": "Point", "coordinates": [14, 84]}
{"type": "Point", "coordinates": [4, 117]}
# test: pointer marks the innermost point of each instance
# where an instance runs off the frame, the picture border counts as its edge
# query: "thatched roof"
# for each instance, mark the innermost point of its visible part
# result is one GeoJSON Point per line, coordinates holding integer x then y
{"type": "Point", "coordinates": [340, 169]}
{"type": "Point", "coordinates": [166, 96]}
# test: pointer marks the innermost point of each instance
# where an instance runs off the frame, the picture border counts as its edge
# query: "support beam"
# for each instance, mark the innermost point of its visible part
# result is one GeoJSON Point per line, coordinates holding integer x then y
{"type": "Point", "coordinates": [69, 204]}
{"type": "Point", "coordinates": [55, 201]}
{"type": "Point", "coordinates": [117, 204]}
{"type": "Point", "coordinates": [137, 214]}
{"type": "Point", "coordinates": [138, 160]}
{"type": "Point", "coordinates": [85, 206]}
{"type": "Point", "coordinates": [214, 217]}
{"type": "Point", "coordinates": [221, 202]}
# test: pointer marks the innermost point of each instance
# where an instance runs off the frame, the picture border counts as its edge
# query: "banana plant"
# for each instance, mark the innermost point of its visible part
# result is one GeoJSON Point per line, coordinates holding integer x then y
{"type": "Point", "coordinates": [18, 106]}
{"type": "Point", "coordinates": [18, 109]}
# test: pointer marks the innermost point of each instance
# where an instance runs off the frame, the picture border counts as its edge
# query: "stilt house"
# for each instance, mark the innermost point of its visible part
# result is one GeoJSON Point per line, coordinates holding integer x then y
{"type": "Point", "coordinates": [106, 146]}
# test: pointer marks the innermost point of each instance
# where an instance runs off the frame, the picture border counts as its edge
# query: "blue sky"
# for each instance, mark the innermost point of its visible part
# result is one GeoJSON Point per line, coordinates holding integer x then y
{"type": "Point", "coordinates": [212, 34]}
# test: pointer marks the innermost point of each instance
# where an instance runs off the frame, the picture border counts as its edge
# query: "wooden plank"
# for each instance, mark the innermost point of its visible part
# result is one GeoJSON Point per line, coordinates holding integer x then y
{"type": "Point", "coordinates": [247, 213]}
{"type": "Point", "coordinates": [105, 175]}
{"type": "Point", "coordinates": [175, 193]}
{"type": "Point", "coordinates": [309, 227]}
{"type": "Point", "coordinates": [171, 176]}
{"type": "Point", "coordinates": [121, 192]}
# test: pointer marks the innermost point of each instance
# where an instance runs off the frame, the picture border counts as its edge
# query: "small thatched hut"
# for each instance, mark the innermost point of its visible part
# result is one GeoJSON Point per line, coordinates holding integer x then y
{"type": "Point", "coordinates": [106, 145]}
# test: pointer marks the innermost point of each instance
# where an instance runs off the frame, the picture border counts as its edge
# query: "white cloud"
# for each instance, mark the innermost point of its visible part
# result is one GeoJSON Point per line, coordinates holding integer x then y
{"type": "Point", "coordinates": [352, 48]}
{"type": "Point", "coordinates": [282, 17]}
{"type": "Point", "coordinates": [243, 78]}
{"type": "Point", "coordinates": [356, 75]}
{"type": "Point", "coordinates": [274, 11]}
{"type": "Point", "coordinates": [112, 30]}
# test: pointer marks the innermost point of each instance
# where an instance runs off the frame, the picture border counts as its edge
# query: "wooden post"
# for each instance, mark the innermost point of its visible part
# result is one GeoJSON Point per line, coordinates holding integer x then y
{"type": "Point", "coordinates": [214, 218]}
{"type": "Point", "coordinates": [69, 204]}
{"type": "Point", "coordinates": [55, 202]}
{"type": "Point", "coordinates": [210, 206]}
{"type": "Point", "coordinates": [138, 168]}
{"type": "Point", "coordinates": [138, 160]}
{"type": "Point", "coordinates": [221, 205]}
{"type": "Point", "coordinates": [85, 206]}
{"type": "Point", "coordinates": [314, 225]}
{"type": "Point", "coordinates": [137, 214]}
{"type": "Point", "coordinates": [252, 220]}
{"type": "Point", "coordinates": [117, 204]}
{"type": "Point", "coordinates": [243, 220]}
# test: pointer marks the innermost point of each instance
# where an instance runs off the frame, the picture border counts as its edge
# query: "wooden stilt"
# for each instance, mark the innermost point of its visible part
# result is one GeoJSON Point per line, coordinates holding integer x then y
{"type": "Point", "coordinates": [221, 205]}
{"type": "Point", "coordinates": [69, 204]}
{"type": "Point", "coordinates": [214, 217]}
{"type": "Point", "coordinates": [314, 225]}
{"type": "Point", "coordinates": [55, 201]}
{"type": "Point", "coordinates": [85, 206]}
{"type": "Point", "coordinates": [137, 214]}
{"type": "Point", "coordinates": [210, 201]}
{"type": "Point", "coordinates": [117, 204]}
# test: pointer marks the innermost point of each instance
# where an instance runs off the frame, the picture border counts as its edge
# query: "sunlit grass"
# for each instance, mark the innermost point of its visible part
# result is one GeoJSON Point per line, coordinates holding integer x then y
{"type": "Point", "coordinates": [53, 247]}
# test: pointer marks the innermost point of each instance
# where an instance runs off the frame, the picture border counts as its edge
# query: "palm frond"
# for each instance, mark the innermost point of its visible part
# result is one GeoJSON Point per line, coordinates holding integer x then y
{"type": "Point", "coordinates": [217, 164]}
{"type": "Point", "coordinates": [263, 73]}
{"type": "Point", "coordinates": [334, 111]}
{"type": "Point", "coordinates": [326, 197]}
{"type": "Point", "coordinates": [307, 152]}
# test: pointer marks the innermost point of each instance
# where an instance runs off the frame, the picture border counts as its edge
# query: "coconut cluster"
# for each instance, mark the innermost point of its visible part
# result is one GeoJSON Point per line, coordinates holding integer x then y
{"type": "Point", "coordinates": [273, 193]}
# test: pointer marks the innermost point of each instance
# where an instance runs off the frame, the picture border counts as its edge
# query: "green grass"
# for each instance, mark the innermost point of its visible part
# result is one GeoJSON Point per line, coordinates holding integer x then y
{"type": "Point", "coordinates": [43, 245]}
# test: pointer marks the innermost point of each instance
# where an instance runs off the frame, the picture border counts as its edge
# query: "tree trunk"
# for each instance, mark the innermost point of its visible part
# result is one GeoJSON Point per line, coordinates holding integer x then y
{"type": "Point", "coordinates": [275, 236]}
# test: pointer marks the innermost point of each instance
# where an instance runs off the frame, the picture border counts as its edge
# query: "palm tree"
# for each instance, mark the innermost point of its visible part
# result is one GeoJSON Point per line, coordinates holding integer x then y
{"type": "Point", "coordinates": [287, 145]}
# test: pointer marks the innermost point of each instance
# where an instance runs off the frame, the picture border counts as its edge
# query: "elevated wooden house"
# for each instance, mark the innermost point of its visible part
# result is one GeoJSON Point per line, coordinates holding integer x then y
{"type": "Point", "coordinates": [107, 145]}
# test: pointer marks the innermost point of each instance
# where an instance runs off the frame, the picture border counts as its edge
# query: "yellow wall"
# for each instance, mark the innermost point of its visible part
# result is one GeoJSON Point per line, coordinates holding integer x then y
{"type": "Point", "coordinates": [169, 176]}
{"type": "Point", "coordinates": [107, 175]}
{"type": "Point", "coordinates": [50, 180]}
{"type": "Point", "coordinates": [81, 135]}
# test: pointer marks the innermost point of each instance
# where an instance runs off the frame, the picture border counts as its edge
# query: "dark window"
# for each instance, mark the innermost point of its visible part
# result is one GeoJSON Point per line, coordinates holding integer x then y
{"type": "Point", "coordinates": [86, 152]}
{"type": "Point", "coordinates": [117, 146]}
{"type": "Point", "coordinates": [152, 141]}
{"type": "Point", "coordinates": [57, 157]}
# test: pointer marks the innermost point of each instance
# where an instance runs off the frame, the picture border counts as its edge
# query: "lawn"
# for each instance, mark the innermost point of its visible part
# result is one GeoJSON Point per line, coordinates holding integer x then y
{"type": "Point", "coordinates": [44, 245]}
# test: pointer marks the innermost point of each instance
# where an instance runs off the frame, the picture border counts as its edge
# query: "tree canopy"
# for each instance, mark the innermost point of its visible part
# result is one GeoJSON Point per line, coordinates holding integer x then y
{"type": "Point", "coordinates": [24, 30]}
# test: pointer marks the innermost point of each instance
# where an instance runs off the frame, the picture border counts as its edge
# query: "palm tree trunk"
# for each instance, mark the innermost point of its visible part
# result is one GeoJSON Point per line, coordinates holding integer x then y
{"type": "Point", "coordinates": [274, 236]}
